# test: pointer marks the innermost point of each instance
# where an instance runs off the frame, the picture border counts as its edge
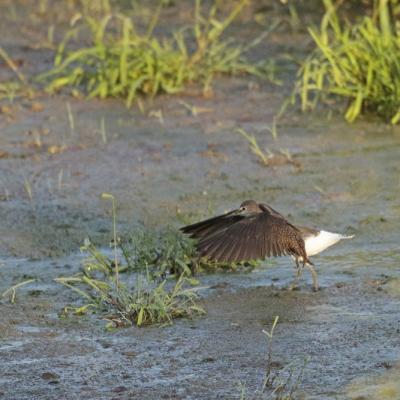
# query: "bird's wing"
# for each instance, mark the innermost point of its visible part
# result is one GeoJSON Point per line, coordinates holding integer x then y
{"type": "Point", "coordinates": [211, 226]}
{"type": "Point", "coordinates": [255, 237]}
{"type": "Point", "coordinates": [268, 209]}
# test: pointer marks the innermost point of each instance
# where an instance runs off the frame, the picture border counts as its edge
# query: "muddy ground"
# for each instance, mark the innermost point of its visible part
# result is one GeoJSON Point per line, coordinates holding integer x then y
{"type": "Point", "coordinates": [165, 166]}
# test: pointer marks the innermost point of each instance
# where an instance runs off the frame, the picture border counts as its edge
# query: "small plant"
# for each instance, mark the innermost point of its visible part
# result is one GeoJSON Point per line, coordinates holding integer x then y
{"type": "Point", "coordinates": [139, 301]}
{"type": "Point", "coordinates": [141, 298]}
{"type": "Point", "coordinates": [254, 147]}
{"type": "Point", "coordinates": [90, 6]}
{"type": "Point", "coordinates": [9, 90]}
{"type": "Point", "coordinates": [121, 62]}
{"type": "Point", "coordinates": [162, 252]}
{"type": "Point", "coordinates": [277, 385]}
{"type": "Point", "coordinates": [12, 88]}
{"type": "Point", "coordinates": [11, 292]}
{"type": "Point", "coordinates": [268, 158]}
{"type": "Point", "coordinates": [356, 62]}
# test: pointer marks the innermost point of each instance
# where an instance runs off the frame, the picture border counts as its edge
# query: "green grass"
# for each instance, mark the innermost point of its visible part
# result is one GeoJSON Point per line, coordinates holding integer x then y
{"type": "Point", "coordinates": [139, 299]}
{"type": "Point", "coordinates": [164, 251]}
{"type": "Point", "coordinates": [168, 251]}
{"type": "Point", "coordinates": [267, 158]}
{"type": "Point", "coordinates": [145, 279]}
{"type": "Point", "coordinates": [359, 63]}
{"type": "Point", "coordinates": [11, 89]}
{"type": "Point", "coordinates": [262, 156]}
{"type": "Point", "coordinates": [120, 61]}
{"type": "Point", "coordinates": [129, 288]}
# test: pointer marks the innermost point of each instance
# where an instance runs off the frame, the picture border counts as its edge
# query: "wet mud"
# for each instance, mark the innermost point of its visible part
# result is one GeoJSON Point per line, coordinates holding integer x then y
{"type": "Point", "coordinates": [167, 165]}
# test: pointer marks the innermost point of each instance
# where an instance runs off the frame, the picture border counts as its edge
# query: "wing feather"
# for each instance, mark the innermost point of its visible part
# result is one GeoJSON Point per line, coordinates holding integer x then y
{"type": "Point", "coordinates": [210, 226]}
{"type": "Point", "coordinates": [254, 237]}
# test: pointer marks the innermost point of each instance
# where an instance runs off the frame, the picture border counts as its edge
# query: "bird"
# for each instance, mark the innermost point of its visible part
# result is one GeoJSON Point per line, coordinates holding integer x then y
{"type": "Point", "coordinates": [256, 231]}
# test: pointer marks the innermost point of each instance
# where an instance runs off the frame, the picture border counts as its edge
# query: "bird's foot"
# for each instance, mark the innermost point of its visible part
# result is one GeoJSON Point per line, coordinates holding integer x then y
{"type": "Point", "coordinates": [293, 286]}
{"type": "Point", "coordinates": [314, 276]}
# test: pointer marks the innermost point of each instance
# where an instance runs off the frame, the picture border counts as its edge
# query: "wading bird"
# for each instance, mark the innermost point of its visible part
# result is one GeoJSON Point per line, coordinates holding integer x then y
{"type": "Point", "coordinates": [256, 231]}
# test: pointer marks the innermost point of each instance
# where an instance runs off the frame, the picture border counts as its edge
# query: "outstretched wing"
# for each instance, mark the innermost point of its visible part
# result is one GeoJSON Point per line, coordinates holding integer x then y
{"type": "Point", "coordinates": [211, 226]}
{"type": "Point", "coordinates": [254, 237]}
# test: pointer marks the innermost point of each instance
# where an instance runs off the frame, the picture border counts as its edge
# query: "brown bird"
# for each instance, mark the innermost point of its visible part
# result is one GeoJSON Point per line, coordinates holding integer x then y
{"type": "Point", "coordinates": [256, 231]}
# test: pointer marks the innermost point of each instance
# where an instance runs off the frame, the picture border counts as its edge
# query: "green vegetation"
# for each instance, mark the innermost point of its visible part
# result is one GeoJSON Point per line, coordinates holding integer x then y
{"type": "Point", "coordinates": [357, 62]}
{"type": "Point", "coordinates": [11, 89]}
{"type": "Point", "coordinates": [146, 279]}
{"type": "Point", "coordinates": [166, 251]}
{"type": "Point", "coordinates": [261, 155]}
{"type": "Point", "coordinates": [277, 385]}
{"type": "Point", "coordinates": [138, 299]}
{"type": "Point", "coordinates": [121, 62]}
{"type": "Point", "coordinates": [267, 158]}
{"type": "Point", "coordinates": [144, 297]}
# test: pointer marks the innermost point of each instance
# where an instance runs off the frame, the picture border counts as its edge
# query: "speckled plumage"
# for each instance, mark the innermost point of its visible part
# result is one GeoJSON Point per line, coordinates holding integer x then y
{"type": "Point", "coordinates": [257, 231]}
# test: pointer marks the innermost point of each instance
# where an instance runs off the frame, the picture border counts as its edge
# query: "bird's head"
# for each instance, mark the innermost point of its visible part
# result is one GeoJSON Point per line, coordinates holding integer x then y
{"type": "Point", "coordinates": [249, 207]}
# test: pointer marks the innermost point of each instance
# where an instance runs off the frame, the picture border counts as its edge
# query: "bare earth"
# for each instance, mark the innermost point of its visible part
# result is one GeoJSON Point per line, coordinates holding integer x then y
{"type": "Point", "coordinates": [166, 164]}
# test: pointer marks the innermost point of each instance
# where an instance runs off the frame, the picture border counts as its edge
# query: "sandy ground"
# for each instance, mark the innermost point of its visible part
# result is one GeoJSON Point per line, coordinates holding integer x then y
{"type": "Point", "coordinates": [166, 170]}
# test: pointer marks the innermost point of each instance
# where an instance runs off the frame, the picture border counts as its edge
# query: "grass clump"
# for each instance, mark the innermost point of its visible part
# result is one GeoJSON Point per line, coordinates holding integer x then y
{"type": "Point", "coordinates": [166, 251]}
{"type": "Point", "coordinates": [357, 62]}
{"type": "Point", "coordinates": [134, 299]}
{"type": "Point", "coordinates": [169, 252]}
{"type": "Point", "coordinates": [122, 62]}
{"type": "Point", "coordinates": [142, 297]}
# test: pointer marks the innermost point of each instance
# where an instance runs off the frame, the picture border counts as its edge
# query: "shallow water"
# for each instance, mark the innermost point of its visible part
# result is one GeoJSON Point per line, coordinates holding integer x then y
{"type": "Point", "coordinates": [349, 330]}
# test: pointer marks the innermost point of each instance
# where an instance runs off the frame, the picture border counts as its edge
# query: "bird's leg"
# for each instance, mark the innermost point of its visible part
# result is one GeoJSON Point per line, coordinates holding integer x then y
{"type": "Point", "coordinates": [311, 268]}
{"type": "Point", "coordinates": [299, 271]}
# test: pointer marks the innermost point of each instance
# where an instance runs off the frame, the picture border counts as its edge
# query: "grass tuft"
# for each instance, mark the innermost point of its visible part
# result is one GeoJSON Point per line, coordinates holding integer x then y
{"type": "Point", "coordinates": [144, 296]}
{"type": "Point", "coordinates": [166, 251]}
{"type": "Point", "coordinates": [139, 301]}
{"type": "Point", "coordinates": [122, 62]}
{"type": "Point", "coordinates": [267, 158]}
{"type": "Point", "coordinates": [356, 62]}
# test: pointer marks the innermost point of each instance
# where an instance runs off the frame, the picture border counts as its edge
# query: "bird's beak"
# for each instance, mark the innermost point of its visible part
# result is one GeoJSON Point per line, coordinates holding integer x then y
{"type": "Point", "coordinates": [236, 212]}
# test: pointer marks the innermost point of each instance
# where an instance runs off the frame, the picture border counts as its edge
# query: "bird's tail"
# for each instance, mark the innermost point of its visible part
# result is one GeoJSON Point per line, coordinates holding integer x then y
{"type": "Point", "coordinates": [317, 243]}
{"type": "Point", "coordinates": [346, 236]}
